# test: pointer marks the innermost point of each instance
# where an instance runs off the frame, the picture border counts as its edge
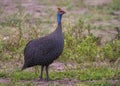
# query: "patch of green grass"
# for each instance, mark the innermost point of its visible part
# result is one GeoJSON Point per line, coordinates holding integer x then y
{"type": "Point", "coordinates": [112, 7]}
{"type": "Point", "coordinates": [81, 73]}
{"type": "Point", "coordinates": [88, 50]}
{"type": "Point", "coordinates": [11, 20]}
{"type": "Point", "coordinates": [22, 75]}
{"type": "Point", "coordinates": [115, 5]}
{"type": "Point", "coordinates": [118, 83]}
{"type": "Point", "coordinates": [111, 50]}
{"type": "Point", "coordinates": [80, 48]}
{"type": "Point", "coordinates": [62, 3]}
{"type": "Point", "coordinates": [93, 73]}
{"type": "Point", "coordinates": [3, 74]}
{"type": "Point", "coordinates": [1, 84]}
{"type": "Point", "coordinates": [96, 83]}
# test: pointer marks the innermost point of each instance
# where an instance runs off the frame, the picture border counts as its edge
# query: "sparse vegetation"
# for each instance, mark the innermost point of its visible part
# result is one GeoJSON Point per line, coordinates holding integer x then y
{"type": "Point", "coordinates": [86, 30]}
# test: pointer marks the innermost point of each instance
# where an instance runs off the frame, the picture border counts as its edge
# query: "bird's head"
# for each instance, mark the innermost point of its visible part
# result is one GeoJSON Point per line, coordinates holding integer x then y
{"type": "Point", "coordinates": [60, 11]}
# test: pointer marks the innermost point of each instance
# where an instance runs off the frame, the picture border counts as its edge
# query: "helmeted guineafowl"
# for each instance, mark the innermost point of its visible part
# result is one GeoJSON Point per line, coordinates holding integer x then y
{"type": "Point", "coordinates": [43, 51]}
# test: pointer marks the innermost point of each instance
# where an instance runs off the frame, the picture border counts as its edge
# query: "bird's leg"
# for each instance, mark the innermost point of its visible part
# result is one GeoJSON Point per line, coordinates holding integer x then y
{"type": "Point", "coordinates": [47, 74]}
{"type": "Point", "coordinates": [41, 77]}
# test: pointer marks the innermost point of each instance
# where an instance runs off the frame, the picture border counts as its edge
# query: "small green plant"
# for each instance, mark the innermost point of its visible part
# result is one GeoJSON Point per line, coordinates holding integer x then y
{"type": "Point", "coordinates": [77, 30]}
{"type": "Point", "coordinates": [111, 50]}
{"type": "Point", "coordinates": [70, 47]}
{"type": "Point", "coordinates": [107, 50]}
{"type": "Point", "coordinates": [88, 49]}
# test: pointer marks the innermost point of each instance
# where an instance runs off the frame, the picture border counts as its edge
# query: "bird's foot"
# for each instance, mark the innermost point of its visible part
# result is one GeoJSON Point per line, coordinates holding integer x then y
{"type": "Point", "coordinates": [41, 79]}
{"type": "Point", "coordinates": [48, 79]}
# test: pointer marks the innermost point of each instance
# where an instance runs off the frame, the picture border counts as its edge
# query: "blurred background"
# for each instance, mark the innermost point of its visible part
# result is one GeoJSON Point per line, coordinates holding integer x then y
{"type": "Point", "coordinates": [91, 28]}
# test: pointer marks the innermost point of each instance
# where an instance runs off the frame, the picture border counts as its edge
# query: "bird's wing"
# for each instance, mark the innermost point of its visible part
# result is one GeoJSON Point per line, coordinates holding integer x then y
{"type": "Point", "coordinates": [39, 47]}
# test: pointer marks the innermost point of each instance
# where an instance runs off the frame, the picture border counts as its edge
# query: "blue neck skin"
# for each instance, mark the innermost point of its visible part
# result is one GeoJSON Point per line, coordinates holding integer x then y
{"type": "Point", "coordinates": [59, 16]}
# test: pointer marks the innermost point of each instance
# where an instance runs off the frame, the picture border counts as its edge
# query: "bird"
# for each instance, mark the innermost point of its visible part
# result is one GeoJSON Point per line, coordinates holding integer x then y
{"type": "Point", "coordinates": [44, 50]}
